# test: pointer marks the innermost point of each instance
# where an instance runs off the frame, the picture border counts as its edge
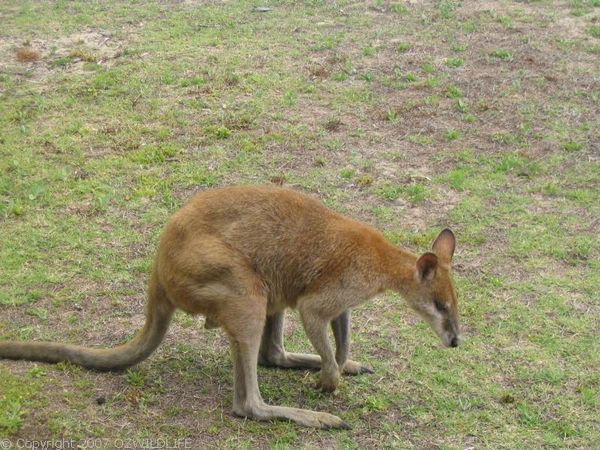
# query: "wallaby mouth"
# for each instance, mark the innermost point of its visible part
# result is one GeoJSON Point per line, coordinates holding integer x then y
{"type": "Point", "coordinates": [451, 339]}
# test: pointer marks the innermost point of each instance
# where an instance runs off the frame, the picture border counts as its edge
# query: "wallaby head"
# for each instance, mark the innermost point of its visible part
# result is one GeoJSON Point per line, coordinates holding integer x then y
{"type": "Point", "coordinates": [434, 296]}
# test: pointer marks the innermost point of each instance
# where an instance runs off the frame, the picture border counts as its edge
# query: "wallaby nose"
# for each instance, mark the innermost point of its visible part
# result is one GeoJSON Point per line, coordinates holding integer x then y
{"type": "Point", "coordinates": [454, 342]}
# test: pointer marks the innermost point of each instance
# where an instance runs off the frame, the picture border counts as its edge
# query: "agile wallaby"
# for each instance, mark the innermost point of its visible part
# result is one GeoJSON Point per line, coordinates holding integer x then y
{"type": "Point", "coordinates": [240, 256]}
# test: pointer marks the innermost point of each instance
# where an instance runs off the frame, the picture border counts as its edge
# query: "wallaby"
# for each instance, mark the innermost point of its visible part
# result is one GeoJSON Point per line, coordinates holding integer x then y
{"type": "Point", "coordinates": [240, 256]}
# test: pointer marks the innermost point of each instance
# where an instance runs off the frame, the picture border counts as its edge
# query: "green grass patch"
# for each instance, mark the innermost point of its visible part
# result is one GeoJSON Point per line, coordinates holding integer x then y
{"type": "Point", "coordinates": [16, 398]}
{"type": "Point", "coordinates": [502, 54]}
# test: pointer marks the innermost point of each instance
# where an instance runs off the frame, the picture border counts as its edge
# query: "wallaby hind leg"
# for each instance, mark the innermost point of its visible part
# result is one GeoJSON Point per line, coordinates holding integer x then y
{"type": "Point", "coordinates": [272, 351]}
{"type": "Point", "coordinates": [245, 333]}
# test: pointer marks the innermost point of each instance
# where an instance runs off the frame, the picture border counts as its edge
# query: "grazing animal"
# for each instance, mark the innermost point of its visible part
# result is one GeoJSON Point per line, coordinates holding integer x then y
{"type": "Point", "coordinates": [240, 256]}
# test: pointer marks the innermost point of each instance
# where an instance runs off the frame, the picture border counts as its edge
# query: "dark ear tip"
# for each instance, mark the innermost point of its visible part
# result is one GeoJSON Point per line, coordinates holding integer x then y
{"type": "Point", "coordinates": [447, 231]}
{"type": "Point", "coordinates": [429, 257]}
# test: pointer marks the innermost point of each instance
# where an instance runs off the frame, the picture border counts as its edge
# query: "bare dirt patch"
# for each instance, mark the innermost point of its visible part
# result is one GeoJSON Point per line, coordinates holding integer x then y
{"type": "Point", "coordinates": [40, 58]}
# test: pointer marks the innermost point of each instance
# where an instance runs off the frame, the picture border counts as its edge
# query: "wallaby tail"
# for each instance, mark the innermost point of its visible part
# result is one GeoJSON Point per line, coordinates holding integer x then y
{"type": "Point", "coordinates": [159, 311]}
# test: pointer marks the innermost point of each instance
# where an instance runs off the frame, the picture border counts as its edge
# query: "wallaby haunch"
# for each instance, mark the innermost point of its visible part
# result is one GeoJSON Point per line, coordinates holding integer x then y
{"type": "Point", "coordinates": [240, 256]}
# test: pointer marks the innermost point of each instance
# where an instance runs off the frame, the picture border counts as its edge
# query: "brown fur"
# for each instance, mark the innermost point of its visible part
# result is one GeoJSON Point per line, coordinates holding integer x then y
{"type": "Point", "coordinates": [240, 256]}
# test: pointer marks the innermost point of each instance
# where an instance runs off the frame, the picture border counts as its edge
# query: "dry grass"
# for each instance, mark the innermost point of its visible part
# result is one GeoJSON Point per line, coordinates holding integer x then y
{"type": "Point", "coordinates": [26, 55]}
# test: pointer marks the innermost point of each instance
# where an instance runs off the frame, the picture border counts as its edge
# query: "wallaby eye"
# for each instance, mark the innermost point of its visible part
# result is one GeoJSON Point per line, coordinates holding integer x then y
{"type": "Point", "coordinates": [441, 307]}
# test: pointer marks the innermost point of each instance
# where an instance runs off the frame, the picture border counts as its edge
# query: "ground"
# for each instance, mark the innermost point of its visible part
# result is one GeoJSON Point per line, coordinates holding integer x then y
{"type": "Point", "coordinates": [412, 116]}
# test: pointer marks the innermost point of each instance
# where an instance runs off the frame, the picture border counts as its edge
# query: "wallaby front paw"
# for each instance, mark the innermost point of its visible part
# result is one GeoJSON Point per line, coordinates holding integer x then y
{"type": "Point", "coordinates": [328, 383]}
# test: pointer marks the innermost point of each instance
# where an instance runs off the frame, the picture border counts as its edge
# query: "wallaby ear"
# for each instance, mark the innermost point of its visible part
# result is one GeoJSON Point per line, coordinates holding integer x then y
{"type": "Point", "coordinates": [445, 244]}
{"type": "Point", "coordinates": [426, 265]}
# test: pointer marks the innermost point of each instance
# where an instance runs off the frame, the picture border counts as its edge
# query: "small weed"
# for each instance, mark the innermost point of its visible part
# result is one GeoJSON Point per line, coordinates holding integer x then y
{"type": "Point", "coordinates": [432, 82]}
{"type": "Point", "coordinates": [506, 21]}
{"type": "Point", "coordinates": [452, 135]}
{"type": "Point", "coordinates": [332, 124]}
{"type": "Point", "coordinates": [399, 8]}
{"type": "Point", "coordinates": [13, 402]}
{"type": "Point", "coordinates": [290, 98]}
{"type": "Point", "coordinates": [231, 79]}
{"type": "Point", "coordinates": [428, 68]}
{"type": "Point", "coordinates": [172, 411]}
{"type": "Point", "coordinates": [573, 146]}
{"type": "Point", "coordinates": [347, 173]}
{"type": "Point", "coordinates": [151, 154]}
{"type": "Point", "coordinates": [92, 67]}
{"type": "Point", "coordinates": [364, 180]}
{"type": "Point", "coordinates": [399, 85]}
{"type": "Point", "coordinates": [420, 139]}
{"type": "Point", "coordinates": [319, 161]}
{"type": "Point", "coordinates": [447, 8]}
{"type": "Point", "coordinates": [594, 31]}
{"type": "Point", "coordinates": [403, 47]}
{"type": "Point", "coordinates": [415, 193]}
{"type": "Point", "coordinates": [453, 92]}
{"type": "Point", "coordinates": [40, 313]}
{"type": "Point", "coordinates": [135, 378]}
{"type": "Point", "coordinates": [502, 54]}
{"type": "Point", "coordinates": [82, 55]}
{"type": "Point", "coordinates": [222, 132]}
{"type": "Point", "coordinates": [12, 207]}
{"type": "Point", "coordinates": [514, 162]}
{"type": "Point", "coordinates": [368, 76]}
{"type": "Point", "coordinates": [391, 192]}
{"type": "Point", "coordinates": [431, 100]}
{"type": "Point", "coordinates": [507, 138]}
{"type": "Point", "coordinates": [368, 51]}
{"type": "Point", "coordinates": [470, 26]}
{"type": "Point", "coordinates": [67, 367]}
{"type": "Point", "coordinates": [63, 61]}
{"type": "Point", "coordinates": [551, 189]}
{"type": "Point", "coordinates": [527, 415]}
{"type": "Point", "coordinates": [461, 105]}
{"type": "Point", "coordinates": [339, 76]}
{"type": "Point", "coordinates": [36, 372]}
{"type": "Point", "coordinates": [454, 63]}
{"type": "Point", "coordinates": [457, 178]}
{"type": "Point", "coordinates": [194, 81]}
{"type": "Point", "coordinates": [105, 80]}
{"type": "Point", "coordinates": [374, 403]}
{"type": "Point", "coordinates": [249, 146]}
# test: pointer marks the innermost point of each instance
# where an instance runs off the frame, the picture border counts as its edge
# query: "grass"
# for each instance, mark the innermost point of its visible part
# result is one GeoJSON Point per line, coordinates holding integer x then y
{"type": "Point", "coordinates": [502, 54]}
{"type": "Point", "coordinates": [409, 116]}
